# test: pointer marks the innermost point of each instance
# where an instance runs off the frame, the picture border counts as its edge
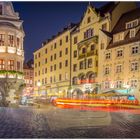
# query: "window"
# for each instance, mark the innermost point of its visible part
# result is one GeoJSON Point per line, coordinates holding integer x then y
{"type": "Point", "coordinates": [10, 40]}
{"type": "Point", "coordinates": [2, 62]}
{"type": "Point", "coordinates": [60, 54]}
{"type": "Point", "coordinates": [134, 66]}
{"type": "Point", "coordinates": [118, 37]}
{"type": "Point", "coordinates": [74, 80]}
{"type": "Point", "coordinates": [74, 67]}
{"type": "Point", "coordinates": [2, 38]}
{"type": "Point", "coordinates": [38, 54]}
{"type": "Point", "coordinates": [135, 50]}
{"type": "Point", "coordinates": [55, 56]}
{"type": "Point", "coordinates": [102, 46]}
{"type": "Point", "coordinates": [92, 47]}
{"type": "Point", "coordinates": [131, 24]}
{"type": "Point", "coordinates": [119, 53]}
{"type": "Point", "coordinates": [106, 84]}
{"type": "Point", "coordinates": [90, 63]}
{"type": "Point", "coordinates": [51, 68]}
{"type": "Point", "coordinates": [60, 42]}
{"type": "Point", "coordinates": [88, 33]}
{"type": "Point", "coordinates": [60, 65]}
{"type": "Point", "coordinates": [107, 71]}
{"type": "Point", "coordinates": [1, 9]}
{"type": "Point", "coordinates": [104, 26]}
{"type": "Point", "coordinates": [35, 65]}
{"type": "Point", "coordinates": [118, 68]}
{"type": "Point", "coordinates": [107, 55]}
{"type": "Point", "coordinates": [82, 65]}
{"type": "Point", "coordinates": [18, 42]}
{"type": "Point", "coordinates": [50, 79]}
{"type": "Point", "coordinates": [133, 83]}
{"type": "Point", "coordinates": [54, 45]}
{"type": "Point", "coordinates": [45, 80]}
{"type": "Point", "coordinates": [75, 39]}
{"type": "Point", "coordinates": [45, 70]}
{"type": "Point", "coordinates": [66, 76]}
{"type": "Point", "coordinates": [35, 73]}
{"type": "Point", "coordinates": [66, 63]}
{"type": "Point", "coordinates": [55, 67]}
{"type": "Point", "coordinates": [54, 79]}
{"type": "Point", "coordinates": [18, 65]}
{"type": "Point", "coordinates": [132, 33]}
{"type": "Point", "coordinates": [51, 47]}
{"type": "Point", "coordinates": [67, 38]}
{"type": "Point", "coordinates": [45, 60]}
{"type": "Point", "coordinates": [51, 58]}
{"type": "Point", "coordinates": [38, 63]}
{"type": "Point", "coordinates": [66, 51]}
{"type": "Point", "coordinates": [88, 19]}
{"type": "Point", "coordinates": [10, 64]}
{"type": "Point", "coordinates": [118, 84]}
{"type": "Point", "coordinates": [60, 77]}
{"type": "Point", "coordinates": [38, 72]}
{"type": "Point", "coordinates": [75, 54]}
{"type": "Point", "coordinates": [46, 51]}
{"type": "Point", "coordinates": [83, 50]}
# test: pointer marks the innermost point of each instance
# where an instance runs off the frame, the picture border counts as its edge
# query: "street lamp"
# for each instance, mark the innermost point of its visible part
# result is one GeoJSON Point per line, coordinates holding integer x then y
{"type": "Point", "coordinates": [38, 85]}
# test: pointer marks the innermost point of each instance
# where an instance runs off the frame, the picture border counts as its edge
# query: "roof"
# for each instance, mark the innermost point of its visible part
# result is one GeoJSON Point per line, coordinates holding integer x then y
{"type": "Point", "coordinates": [107, 33]}
{"type": "Point", "coordinates": [129, 16]}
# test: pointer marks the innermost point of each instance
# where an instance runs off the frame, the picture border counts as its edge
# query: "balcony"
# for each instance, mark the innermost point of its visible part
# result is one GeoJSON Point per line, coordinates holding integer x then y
{"type": "Point", "coordinates": [88, 54]}
{"type": "Point", "coordinates": [88, 40]}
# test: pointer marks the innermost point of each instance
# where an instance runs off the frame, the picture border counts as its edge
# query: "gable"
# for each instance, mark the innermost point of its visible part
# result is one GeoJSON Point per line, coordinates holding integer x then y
{"type": "Point", "coordinates": [90, 16]}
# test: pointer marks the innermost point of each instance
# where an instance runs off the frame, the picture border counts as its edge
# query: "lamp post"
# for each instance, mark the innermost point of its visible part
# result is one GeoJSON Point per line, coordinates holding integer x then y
{"type": "Point", "coordinates": [38, 85]}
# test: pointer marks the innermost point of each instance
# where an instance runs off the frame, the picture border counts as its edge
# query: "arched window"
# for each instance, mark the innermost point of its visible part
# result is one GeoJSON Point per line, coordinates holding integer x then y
{"type": "Point", "coordinates": [91, 78]}
{"type": "Point", "coordinates": [83, 79]}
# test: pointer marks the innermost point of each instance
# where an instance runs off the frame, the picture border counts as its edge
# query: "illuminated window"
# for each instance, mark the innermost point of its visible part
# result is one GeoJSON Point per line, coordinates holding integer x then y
{"type": "Point", "coordinates": [10, 64]}
{"type": "Point", "coordinates": [2, 38]}
{"type": "Point", "coordinates": [119, 84]}
{"type": "Point", "coordinates": [2, 63]}
{"type": "Point", "coordinates": [11, 40]}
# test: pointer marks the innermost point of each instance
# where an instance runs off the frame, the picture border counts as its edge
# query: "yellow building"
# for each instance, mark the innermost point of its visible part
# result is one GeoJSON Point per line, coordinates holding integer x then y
{"type": "Point", "coordinates": [52, 65]}
{"type": "Point", "coordinates": [119, 66]}
{"type": "Point", "coordinates": [68, 63]}
{"type": "Point", "coordinates": [85, 44]}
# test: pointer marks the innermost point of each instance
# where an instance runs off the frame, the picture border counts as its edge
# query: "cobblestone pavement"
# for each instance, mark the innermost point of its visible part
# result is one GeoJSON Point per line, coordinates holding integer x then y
{"type": "Point", "coordinates": [54, 122]}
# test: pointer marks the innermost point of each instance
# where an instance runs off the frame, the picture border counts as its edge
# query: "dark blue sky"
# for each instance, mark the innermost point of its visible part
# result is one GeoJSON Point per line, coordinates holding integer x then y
{"type": "Point", "coordinates": [44, 19]}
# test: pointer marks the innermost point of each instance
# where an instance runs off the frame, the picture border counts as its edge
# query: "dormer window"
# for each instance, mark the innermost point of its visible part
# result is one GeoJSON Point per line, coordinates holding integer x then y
{"type": "Point", "coordinates": [118, 37]}
{"type": "Point", "coordinates": [132, 24]}
{"type": "Point", "coordinates": [132, 33]}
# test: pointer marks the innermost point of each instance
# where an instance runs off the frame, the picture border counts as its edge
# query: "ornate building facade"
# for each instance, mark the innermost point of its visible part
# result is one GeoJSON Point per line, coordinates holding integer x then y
{"type": "Point", "coordinates": [11, 53]}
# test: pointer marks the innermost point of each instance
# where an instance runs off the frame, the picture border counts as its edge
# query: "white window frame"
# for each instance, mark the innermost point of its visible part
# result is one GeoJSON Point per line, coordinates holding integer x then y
{"type": "Point", "coordinates": [132, 33]}
{"type": "Point", "coordinates": [118, 53]}
{"type": "Point", "coordinates": [136, 50]}
{"type": "Point", "coordinates": [119, 68]}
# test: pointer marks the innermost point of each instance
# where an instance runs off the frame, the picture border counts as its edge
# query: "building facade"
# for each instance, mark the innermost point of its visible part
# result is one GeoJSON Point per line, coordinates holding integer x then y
{"type": "Point", "coordinates": [52, 65]}
{"type": "Point", "coordinates": [11, 53]}
{"type": "Point", "coordinates": [120, 57]}
{"type": "Point", "coordinates": [84, 42]}
{"type": "Point", "coordinates": [28, 71]}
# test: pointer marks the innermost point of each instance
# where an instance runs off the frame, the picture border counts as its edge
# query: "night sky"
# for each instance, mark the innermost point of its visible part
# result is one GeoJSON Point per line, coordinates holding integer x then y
{"type": "Point", "coordinates": [44, 19]}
